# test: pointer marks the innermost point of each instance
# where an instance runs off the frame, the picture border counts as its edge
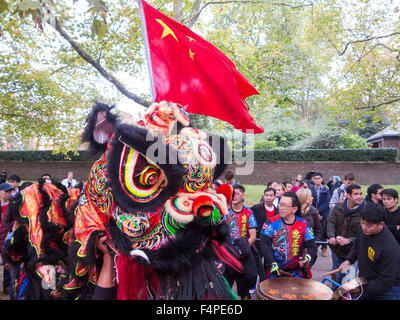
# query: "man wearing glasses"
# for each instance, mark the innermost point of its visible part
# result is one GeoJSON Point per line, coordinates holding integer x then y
{"type": "Point", "coordinates": [283, 241]}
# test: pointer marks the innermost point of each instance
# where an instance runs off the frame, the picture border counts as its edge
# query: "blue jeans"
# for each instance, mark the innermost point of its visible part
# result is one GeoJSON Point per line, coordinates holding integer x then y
{"type": "Point", "coordinates": [392, 294]}
{"type": "Point", "coordinates": [336, 262]}
{"type": "Point", "coordinates": [13, 274]}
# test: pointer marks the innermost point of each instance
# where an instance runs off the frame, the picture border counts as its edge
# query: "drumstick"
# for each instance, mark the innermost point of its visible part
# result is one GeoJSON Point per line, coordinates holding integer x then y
{"type": "Point", "coordinates": [284, 273]}
{"type": "Point", "coordinates": [331, 272]}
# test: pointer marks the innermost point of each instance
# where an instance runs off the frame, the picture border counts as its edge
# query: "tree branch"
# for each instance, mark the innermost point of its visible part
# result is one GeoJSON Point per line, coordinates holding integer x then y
{"type": "Point", "coordinates": [366, 40]}
{"type": "Point", "coordinates": [197, 13]}
{"type": "Point", "coordinates": [99, 68]}
{"type": "Point", "coordinates": [178, 11]}
{"type": "Point", "coordinates": [379, 104]}
{"type": "Point", "coordinates": [13, 115]}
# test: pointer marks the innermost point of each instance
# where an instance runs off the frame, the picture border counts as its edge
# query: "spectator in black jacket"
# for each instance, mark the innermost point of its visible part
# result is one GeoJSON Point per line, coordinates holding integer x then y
{"type": "Point", "coordinates": [374, 194]}
{"type": "Point", "coordinates": [263, 212]}
{"type": "Point", "coordinates": [378, 256]}
{"type": "Point", "coordinates": [322, 197]}
{"type": "Point", "coordinates": [390, 199]}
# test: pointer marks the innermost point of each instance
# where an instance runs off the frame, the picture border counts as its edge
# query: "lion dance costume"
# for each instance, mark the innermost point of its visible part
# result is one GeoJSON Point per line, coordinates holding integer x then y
{"type": "Point", "coordinates": [149, 192]}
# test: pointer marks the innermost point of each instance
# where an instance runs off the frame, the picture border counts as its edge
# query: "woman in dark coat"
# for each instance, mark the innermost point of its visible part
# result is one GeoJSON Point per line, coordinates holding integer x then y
{"type": "Point", "coordinates": [310, 214]}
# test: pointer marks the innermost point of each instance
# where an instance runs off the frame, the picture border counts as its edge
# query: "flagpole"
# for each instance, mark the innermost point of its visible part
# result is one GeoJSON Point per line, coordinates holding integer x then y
{"type": "Point", "coordinates": [146, 47]}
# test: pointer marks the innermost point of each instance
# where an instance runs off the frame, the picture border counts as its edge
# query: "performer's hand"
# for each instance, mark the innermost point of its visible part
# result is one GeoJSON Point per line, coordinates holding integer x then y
{"type": "Point", "coordinates": [275, 269]}
{"type": "Point", "coordinates": [304, 262]}
{"type": "Point", "coordinates": [332, 241]}
{"type": "Point", "coordinates": [353, 291]}
{"type": "Point", "coordinates": [7, 266]}
{"type": "Point", "coordinates": [342, 241]}
{"type": "Point", "coordinates": [344, 265]}
{"type": "Point", "coordinates": [101, 244]}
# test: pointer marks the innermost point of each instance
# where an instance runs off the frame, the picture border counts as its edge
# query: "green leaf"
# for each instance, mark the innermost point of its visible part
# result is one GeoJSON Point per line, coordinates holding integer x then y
{"type": "Point", "coordinates": [99, 29]}
{"type": "Point", "coordinates": [3, 6]}
{"type": "Point", "coordinates": [29, 4]}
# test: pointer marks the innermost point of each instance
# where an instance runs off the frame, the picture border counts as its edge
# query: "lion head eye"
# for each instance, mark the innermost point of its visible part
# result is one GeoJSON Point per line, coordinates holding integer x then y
{"type": "Point", "coordinates": [149, 176]}
{"type": "Point", "coordinates": [140, 180]}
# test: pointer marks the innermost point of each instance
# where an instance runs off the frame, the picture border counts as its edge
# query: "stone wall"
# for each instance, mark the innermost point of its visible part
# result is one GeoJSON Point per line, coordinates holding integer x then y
{"type": "Point", "coordinates": [366, 172]}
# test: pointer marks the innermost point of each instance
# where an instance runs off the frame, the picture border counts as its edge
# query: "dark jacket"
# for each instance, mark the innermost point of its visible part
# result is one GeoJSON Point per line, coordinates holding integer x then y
{"type": "Point", "coordinates": [343, 222]}
{"type": "Point", "coordinates": [312, 218]}
{"type": "Point", "coordinates": [392, 220]}
{"type": "Point", "coordinates": [378, 259]}
{"type": "Point", "coordinates": [261, 218]}
{"type": "Point", "coordinates": [321, 203]}
{"type": "Point", "coordinates": [332, 186]}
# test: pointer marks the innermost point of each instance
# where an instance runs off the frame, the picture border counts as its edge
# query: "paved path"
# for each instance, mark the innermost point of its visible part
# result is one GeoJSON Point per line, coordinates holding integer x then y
{"type": "Point", "coordinates": [322, 265]}
{"type": "Point", "coordinates": [2, 295]}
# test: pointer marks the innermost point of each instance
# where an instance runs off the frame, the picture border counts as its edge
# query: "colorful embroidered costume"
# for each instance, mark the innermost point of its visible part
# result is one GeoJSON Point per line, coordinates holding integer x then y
{"type": "Point", "coordinates": [285, 243]}
{"type": "Point", "coordinates": [43, 220]}
{"type": "Point", "coordinates": [240, 222]}
{"type": "Point", "coordinates": [149, 192]}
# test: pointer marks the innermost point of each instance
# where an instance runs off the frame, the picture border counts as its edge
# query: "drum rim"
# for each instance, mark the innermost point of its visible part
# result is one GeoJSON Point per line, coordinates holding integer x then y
{"type": "Point", "coordinates": [266, 296]}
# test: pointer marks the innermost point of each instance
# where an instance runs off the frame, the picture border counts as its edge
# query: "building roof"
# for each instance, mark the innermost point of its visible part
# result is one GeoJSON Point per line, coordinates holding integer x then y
{"type": "Point", "coordinates": [391, 131]}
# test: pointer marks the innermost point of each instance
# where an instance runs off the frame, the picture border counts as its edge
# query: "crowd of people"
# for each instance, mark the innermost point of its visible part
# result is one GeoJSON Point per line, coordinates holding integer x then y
{"type": "Point", "coordinates": [294, 218]}
{"type": "Point", "coordinates": [281, 234]}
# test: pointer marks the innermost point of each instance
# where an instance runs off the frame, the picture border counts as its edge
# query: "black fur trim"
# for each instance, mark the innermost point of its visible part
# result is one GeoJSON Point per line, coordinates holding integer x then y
{"type": "Point", "coordinates": [54, 249]}
{"type": "Point", "coordinates": [120, 241]}
{"type": "Point", "coordinates": [91, 247]}
{"type": "Point", "coordinates": [221, 149]}
{"type": "Point", "coordinates": [19, 245]}
{"type": "Point", "coordinates": [135, 137]}
{"type": "Point", "coordinates": [186, 265]}
{"type": "Point", "coordinates": [91, 119]}
{"type": "Point", "coordinates": [68, 213]}
{"type": "Point", "coordinates": [14, 207]}
{"type": "Point", "coordinates": [30, 256]}
{"type": "Point", "coordinates": [90, 260]}
{"type": "Point", "coordinates": [179, 253]}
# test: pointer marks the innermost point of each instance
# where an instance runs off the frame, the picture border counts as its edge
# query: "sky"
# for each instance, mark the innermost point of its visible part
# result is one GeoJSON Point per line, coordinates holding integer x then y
{"type": "Point", "coordinates": [136, 85]}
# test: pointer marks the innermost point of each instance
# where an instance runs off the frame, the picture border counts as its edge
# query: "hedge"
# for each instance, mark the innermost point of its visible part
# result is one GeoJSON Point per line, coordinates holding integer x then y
{"type": "Point", "coordinates": [272, 155]}
{"type": "Point", "coordinates": [46, 155]}
{"type": "Point", "coordinates": [307, 155]}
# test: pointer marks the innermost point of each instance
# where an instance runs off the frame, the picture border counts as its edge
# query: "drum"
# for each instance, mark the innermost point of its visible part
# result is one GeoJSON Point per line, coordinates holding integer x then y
{"type": "Point", "coordinates": [290, 288]}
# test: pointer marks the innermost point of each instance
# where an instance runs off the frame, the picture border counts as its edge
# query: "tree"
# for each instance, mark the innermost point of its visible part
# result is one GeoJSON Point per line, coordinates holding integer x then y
{"type": "Point", "coordinates": [367, 83]}
{"type": "Point", "coordinates": [280, 54]}
{"type": "Point", "coordinates": [307, 59]}
{"type": "Point", "coordinates": [102, 39]}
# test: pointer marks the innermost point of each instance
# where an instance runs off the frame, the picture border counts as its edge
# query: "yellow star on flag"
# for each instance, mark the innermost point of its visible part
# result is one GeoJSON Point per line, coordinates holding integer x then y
{"type": "Point", "coordinates": [191, 54]}
{"type": "Point", "coordinates": [166, 30]}
{"type": "Point", "coordinates": [190, 39]}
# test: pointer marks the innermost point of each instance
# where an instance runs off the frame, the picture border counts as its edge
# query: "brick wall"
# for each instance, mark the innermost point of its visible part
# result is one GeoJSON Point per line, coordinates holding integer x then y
{"type": "Point", "coordinates": [365, 172]}
{"type": "Point", "coordinates": [32, 170]}
{"type": "Point", "coordinates": [388, 142]}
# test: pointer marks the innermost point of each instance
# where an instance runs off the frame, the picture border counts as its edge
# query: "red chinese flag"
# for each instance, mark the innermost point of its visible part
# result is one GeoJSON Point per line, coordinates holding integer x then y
{"type": "Point", "coordinates": [188, 70]}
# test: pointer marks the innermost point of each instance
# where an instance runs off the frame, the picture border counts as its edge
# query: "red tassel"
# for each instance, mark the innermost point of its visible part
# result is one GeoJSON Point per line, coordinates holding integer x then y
{"type": "Point", "coordinates": [225, 256]}
{"type": "Point", "coordinates": [227, 191]}
{"type": "Point", "coordinates": [132, 276]}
